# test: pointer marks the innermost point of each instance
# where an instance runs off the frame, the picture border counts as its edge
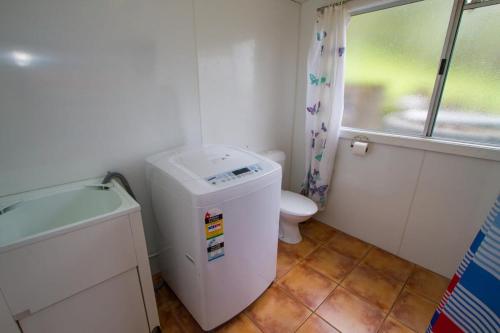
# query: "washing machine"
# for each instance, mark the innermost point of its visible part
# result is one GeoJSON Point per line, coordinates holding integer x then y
{"type": "Point", "coordinates": [217, 208]}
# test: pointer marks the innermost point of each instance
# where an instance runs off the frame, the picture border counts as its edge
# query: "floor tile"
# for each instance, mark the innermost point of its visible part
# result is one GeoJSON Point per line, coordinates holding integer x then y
{"type": "Point", "coordinates": [284, 263]}
{"type": "Point", "coordinates": [239, 324]}
{"type": "Point", "coordinates": [391, 325]}
{"type": "Point", "coordinates": [348, 245]}
{"type": "Point", "coordinates": [330, 263]}
{"type": "Point", "coordinates": [389, 264]}
{"type": "Point", "coordinates": [377, 289]}
{"type": "Point", "coordinates": [157, 279]}
{"type": "Point", "coordinates": [178, 317]}
{"type": "Point", "coordinates": [300, 250]}
{"type": "Point", "coordinates": [308, 274]}
{"type": "Point", "coordinates": [315, 324]}
{"type": "Point", "coordinates": [165, 298]}
{"type": "Point", "coordinates": [275, 311]}
{"type": "Point", "coordinates": [307, 285]}
{"type": "Point", "coordinates": [413, 311]}
{"type": "Point", "coordinates": [168, 321]}
{"type": "Point", "coordinates": [427, 283]}
{"type": "Point", "coordinates": [317, 230]}
{"type": "Point", "coordinates": [349, 313]}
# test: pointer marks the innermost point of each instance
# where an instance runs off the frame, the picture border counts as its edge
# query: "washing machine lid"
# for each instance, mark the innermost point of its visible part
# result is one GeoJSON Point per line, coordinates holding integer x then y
{"type": "Point", "coordinates": [207, 161]}
{"type": "Point", "coordinates": [213, 165]}
{"type": "Point", "coordinates": [213, 173]}
{"type": "Point", "coordinates": [296, 204]}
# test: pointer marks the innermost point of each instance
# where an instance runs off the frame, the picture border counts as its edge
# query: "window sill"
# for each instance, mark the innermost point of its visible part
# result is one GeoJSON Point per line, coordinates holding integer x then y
{"type": "Point", "coordinates": [428, 144]}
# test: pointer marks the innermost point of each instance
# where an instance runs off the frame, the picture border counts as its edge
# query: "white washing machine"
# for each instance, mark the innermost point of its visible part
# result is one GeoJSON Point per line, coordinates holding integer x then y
{"type": "Point", "coordinates": [218, 210]}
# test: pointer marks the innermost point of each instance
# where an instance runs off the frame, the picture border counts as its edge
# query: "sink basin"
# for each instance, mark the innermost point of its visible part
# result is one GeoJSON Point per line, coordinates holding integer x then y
{"type": "Point", "coordinates": [31, 216]}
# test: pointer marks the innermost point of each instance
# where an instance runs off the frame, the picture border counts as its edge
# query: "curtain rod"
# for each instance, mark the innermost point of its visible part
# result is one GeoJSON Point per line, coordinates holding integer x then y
{"type": "Point", "coordinates": [333, 4]}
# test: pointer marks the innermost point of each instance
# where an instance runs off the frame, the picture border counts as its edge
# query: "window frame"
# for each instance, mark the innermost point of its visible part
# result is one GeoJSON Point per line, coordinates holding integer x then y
{"type": "Point", "coordinates": [426, 139]}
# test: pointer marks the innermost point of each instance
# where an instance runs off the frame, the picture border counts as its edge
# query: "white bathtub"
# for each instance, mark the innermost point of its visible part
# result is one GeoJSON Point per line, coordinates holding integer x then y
{"type": "Point", "coordinates": [32, 216]}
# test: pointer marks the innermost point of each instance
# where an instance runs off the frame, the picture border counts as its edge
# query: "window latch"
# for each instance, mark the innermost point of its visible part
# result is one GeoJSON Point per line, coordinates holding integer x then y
{"type": "Point", "coordinates": [442, 66]}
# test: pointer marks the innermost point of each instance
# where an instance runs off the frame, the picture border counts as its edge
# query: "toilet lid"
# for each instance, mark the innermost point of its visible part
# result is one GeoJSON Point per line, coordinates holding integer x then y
{"type": "Point", "coordinates": [296, 204]}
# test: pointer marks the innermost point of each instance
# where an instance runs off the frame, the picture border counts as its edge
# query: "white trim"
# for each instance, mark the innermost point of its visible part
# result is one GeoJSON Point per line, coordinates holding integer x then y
{"type": "Point", "coordinates": [356, 7]}
{"type": "Point", "coordinates": [474, 5]}
{"type": "Point", "coordinates": [427, 144]}
{"type": "Point", "coordinates": [442, 73]}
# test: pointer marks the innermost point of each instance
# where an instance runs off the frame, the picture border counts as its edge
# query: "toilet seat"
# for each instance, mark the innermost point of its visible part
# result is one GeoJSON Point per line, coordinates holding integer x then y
{"type": "Point", "coordinates": [296, 204]}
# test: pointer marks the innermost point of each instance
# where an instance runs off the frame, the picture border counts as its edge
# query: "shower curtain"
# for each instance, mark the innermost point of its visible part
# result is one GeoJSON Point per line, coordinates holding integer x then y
{"type": "Point", "coordinates": [472, 301]}
{"type": "Point", "coordinates": [325, 100]}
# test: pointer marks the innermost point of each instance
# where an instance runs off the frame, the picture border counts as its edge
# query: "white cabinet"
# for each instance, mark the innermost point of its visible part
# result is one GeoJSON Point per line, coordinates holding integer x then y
{"type": "Point", "coordinates": [112, 306]}
{"type": "Point", "coordinates": [7, 323]}
{"type": "Point", "coordinates": [93, 279]}
{"type": "Point", "coordinates": [40, 274]}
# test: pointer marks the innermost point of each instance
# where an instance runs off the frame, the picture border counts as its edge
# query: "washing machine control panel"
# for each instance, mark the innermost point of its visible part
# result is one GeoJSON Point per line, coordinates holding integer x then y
{"type": "Point", "coordinates": [234, 175]}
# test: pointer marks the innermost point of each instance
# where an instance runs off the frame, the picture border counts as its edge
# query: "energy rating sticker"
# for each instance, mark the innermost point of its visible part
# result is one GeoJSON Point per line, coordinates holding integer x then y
{"type": "Point", "coordinates": [215, 248]}
{"type": "Point", "coordinates": [214, 223]}
{"type": "Point", "coordinates": [214, 232]}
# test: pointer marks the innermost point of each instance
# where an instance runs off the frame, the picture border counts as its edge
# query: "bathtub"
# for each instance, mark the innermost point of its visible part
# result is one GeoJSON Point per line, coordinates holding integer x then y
{"type": "Point", "coordinates": [36, 215]}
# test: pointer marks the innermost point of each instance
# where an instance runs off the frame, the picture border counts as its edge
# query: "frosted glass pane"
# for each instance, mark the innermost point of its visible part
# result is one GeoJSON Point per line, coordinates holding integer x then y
{"type": "Point", "coordinates": [470, 106]}
{"type": "Point", "coordinates": [392, 57]}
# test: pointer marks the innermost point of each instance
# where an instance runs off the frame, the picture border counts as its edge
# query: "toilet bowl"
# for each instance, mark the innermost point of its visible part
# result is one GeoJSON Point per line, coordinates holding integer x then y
{"type": "Point", "coordinates": [294, 208]}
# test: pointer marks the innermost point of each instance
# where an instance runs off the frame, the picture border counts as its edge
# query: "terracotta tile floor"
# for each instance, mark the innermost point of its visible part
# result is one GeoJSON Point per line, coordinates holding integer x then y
{"type": "Point", "coordinates": [331, 282]}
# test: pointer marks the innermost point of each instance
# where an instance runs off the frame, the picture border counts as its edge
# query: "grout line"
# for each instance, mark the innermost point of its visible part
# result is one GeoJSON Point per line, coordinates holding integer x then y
{"type": "Point", "coordinates": [302, 324]}
{"type": "Point", "coordinates": [298, 301]}
{"type": "Point", "coordinates": [197, 64]}
{"type": "Point", "coordinates": [358, 263]}
{"type": "Point", "coordinates": [252, 321]}
{"type": "Point", "coordinates": [422, 296]}
{"type": "Point", "coordinates": [300, 261]}
{"type": "Point", "coordinates": [397, 298]}
{"type": "Point", "coordinates": [317, 314]}
{"type": "Point", "coordinates": [295, 111]}
{"type": "Point", "coordinates": [410, 207]}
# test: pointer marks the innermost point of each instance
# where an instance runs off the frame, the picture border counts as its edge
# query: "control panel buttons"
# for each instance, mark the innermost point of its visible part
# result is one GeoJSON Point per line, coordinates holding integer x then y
{"type": "Point", "coordinates": [234, 175]}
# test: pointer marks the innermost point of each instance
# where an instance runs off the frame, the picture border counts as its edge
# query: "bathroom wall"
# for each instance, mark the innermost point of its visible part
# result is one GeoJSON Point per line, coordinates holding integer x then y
{"type": "Point", "coordinates": [107, 84]}
{"type": "Point", "coordinates": [97, 86]}
{"type": "Point", "coordinates": [421, 204]}
{"type": "Point", "coordinates": [247, 56]}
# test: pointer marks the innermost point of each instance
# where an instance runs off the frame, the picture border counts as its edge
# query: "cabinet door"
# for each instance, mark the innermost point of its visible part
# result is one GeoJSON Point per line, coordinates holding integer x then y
{"type": "Point", "coordinates": [114, 305]}
{"type": "Point", "coordinates": [38, 275]}
{"type": "Point", "coordinates": [7, 323]}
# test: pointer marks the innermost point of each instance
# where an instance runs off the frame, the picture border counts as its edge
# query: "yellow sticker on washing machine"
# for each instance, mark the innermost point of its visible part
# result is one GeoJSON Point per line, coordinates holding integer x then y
{"type": "Point", "coordinates": [214, 232]}
{"type": "Point", "coordinates": [214, 223]}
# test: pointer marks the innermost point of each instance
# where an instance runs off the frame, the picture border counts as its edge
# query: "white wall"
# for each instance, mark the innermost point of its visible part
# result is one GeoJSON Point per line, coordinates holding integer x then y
{"type": "Point", "coordinates": [110, 83]}
{"type": "Point", "coordinates": [451, 200]}
{"type": "Point", "coordinates": [422, 205]}
{"type": "Point", "coordinates": [247, 56]}
{"type": "Point", "coordinates": [115, 81]}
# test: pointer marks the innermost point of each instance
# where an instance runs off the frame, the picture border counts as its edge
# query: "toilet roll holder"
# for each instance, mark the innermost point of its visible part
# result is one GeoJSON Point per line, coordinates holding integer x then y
{"type": "Point", "coordinates": [360, 138]}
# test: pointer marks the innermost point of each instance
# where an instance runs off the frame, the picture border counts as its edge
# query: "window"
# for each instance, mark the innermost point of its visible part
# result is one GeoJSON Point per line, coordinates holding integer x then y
{"type": "Point", "coordinates": [427, 68]}
{"type": "Point", "coordinates": [470, 105]}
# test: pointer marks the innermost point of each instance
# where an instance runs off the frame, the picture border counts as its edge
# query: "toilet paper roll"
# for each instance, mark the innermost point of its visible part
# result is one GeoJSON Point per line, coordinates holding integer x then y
{"type": "Point", "coordinates": [359, 148]}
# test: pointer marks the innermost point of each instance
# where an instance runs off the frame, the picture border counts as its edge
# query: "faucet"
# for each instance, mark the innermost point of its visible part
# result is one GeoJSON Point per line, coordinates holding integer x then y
{"type": "Point", "coordinates": [111, 175]}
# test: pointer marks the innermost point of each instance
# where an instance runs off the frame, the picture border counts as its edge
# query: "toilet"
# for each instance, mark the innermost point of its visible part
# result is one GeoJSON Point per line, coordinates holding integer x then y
{"type": "Point", "coordinates": [294, 208]}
